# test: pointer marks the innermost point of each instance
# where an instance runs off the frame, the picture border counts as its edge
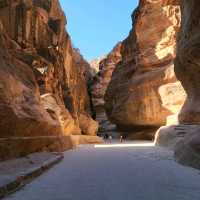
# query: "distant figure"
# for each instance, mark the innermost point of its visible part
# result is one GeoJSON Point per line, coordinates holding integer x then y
{"type": "Point", "coordinates": [121, 138]}
{"type": "Point", "coordinates": [110, 138]}
{"type": "Point", "coordinates": [106, 136]}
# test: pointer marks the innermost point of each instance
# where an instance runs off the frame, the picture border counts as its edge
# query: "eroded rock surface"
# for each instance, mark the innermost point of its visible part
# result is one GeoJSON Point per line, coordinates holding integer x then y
{"type": "Point", "coordinates": [100, 84]}
{"type": "Point", "coordinates": [43, 82]}
{"type": "Point", "coordinates": [103, 78]}
{"type": "Point", "coordinates": [185, 138]}
{"type": "Point", "coordinates": [22, 113]}
{"type": "Point", "coordinates": [143, 90]}
{"type": "Point", "coordinates": [95, 64]}
{"type": "Point", "coordinates": [187, 67]}
{"type": "Point", "coordinates": [187, 61]}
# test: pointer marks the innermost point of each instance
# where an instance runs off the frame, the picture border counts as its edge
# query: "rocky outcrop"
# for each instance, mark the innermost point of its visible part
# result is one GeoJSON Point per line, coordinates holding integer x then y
{"type": "Point", "coordinates": [100, 84]}
{"type": "Point", "coordinates": [22, 113]}
{"type": "Point", "coordinates": [187, 61]}
{"type": "Point", "coordinates": [94, 64]}
{"type": "Point", "coordinates": [43, 89]}
{"type": "Point", "coordinates": [60, 113]}
{"type": "Point", "coordinates": [103, 78]}
{"type": "Point", "coordinates": [143, 90]}
{"type": "Point", "coordinates": [184, 138]}
{"type": "Point", "coordinates": [187, 151]}
{"type": "Point", "coordinates": [187, 68]}
{"type": "Point", "coordinates": [85, 69]}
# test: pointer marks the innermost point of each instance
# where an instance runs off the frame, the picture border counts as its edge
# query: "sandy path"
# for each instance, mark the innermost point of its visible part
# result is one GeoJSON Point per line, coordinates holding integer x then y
{"type": "Point", "coordinates": [128, 173]}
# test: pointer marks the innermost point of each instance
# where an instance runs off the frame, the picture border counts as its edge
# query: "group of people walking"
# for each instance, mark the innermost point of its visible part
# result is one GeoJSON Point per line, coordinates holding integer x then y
{"type": "Point", "coordinates": [109, 137]}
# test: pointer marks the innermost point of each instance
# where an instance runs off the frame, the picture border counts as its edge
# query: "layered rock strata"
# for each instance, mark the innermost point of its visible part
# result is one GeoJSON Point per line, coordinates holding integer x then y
{"type": "Point", "coordinates": [43, 90]}
{"type": "Point", "coordinates": [143, 90]}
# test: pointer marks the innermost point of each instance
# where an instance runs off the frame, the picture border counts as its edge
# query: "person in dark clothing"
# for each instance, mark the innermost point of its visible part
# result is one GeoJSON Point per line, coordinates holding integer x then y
{"type": "Point", "coordinates": [106, 136]}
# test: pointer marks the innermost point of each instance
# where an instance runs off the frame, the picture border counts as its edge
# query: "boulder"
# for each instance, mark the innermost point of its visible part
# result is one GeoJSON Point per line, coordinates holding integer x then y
{"type": "Point", "coordinates": [187, 151]}
{"type": "Point", "coordinates": [60, 113]}
{"type": "Point", "coordinates": [88, 125]}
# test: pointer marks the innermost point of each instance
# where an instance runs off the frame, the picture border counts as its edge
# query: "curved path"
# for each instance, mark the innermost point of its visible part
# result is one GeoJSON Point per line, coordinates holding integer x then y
{"type": "Point", "coordinates": [131, 172]}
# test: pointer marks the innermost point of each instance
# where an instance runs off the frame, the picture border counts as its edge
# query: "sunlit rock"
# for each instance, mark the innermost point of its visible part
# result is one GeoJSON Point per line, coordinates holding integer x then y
{"type": "Point", "coordinates": [43, 79]}
{"type": "Point", "coordinates": [60, 113]}
{"type": "Point", "coordinates": [187, 67]}
{"type": "Point", "coordinates": [100, 84]}
{"type": "Point", "coordinates": [143, 90]}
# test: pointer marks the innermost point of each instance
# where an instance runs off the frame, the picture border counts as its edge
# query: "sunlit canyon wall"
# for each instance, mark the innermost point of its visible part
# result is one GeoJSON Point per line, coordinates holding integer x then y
{"type": "Point", "coordinates": [43, 90]}
{"type": "Point", "coordinates": [99, 87]}
{"type": "Point", "coordinates": [185, 138]}
{"type": "Point", "coordinates": [144, 93]}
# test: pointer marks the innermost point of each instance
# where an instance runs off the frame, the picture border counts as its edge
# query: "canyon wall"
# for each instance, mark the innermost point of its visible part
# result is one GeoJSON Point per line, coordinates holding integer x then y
{"type": "Point", "coordinates": [100, 84]}
{"type": "Point", "coordinates": [43, 80]}
{"type": "Point", "coordinates": [144, 92]}
{"type": "Point", "coordinates": [102, 79]}
{"type": "Point", "coordinates": [94, 64]}
{"type": "Point", "coordinates": [185, 138]}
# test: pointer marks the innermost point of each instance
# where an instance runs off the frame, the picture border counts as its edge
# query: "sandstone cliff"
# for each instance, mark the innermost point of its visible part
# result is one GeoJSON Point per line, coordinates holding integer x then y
{"type": "Point", "coordinates": [185, 137]}
{"type": "Point", "coordinates": [43, 88]}
{"type": "Point", "coordinates": [144, 90]}
{"type": "Point", "coordinates": [94, 64]}
{"type": "Point", "coordinates": [102, 79]}
{"type": "Point", "coordinates": [100, 84]}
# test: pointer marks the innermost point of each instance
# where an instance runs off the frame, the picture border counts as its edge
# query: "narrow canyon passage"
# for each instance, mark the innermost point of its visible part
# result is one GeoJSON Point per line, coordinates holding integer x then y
{"type": "Point", "coordinates": [115, 173]}
{"type": "Point", "coordinates": [55, 100]}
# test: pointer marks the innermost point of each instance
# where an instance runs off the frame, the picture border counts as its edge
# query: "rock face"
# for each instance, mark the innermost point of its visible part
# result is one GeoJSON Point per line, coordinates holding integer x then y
{"type": "Point", "coordinates": [100, 84]}
{"type": "Point", "coordinates": [187, 61]}
{"type": "Point", "coordinates": [143, 89]}
{"type": "Point", "coordinates": [77, 94]}
{"type": "Point", "coordinates": [43, 90]}
{"type": "Point", "coordinates": [85, 69]}
{"type": "Point", "coordinates": [103, 78]}
{"type": "Point", "coordinates": [184, 138]}
{"type": "Point", "coordinates": [60, 113]}
{"type": "Point", "coordinates": [94, 64]}
{"type": "Point", "coordinates": [22, 113]}
{"type": "Point", "coordinates": [187, 68]}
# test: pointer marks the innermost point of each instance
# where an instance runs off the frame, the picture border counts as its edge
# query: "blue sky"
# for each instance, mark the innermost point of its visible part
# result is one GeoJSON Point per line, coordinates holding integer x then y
{"type": "Point", "coordinates": [95, 26]}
